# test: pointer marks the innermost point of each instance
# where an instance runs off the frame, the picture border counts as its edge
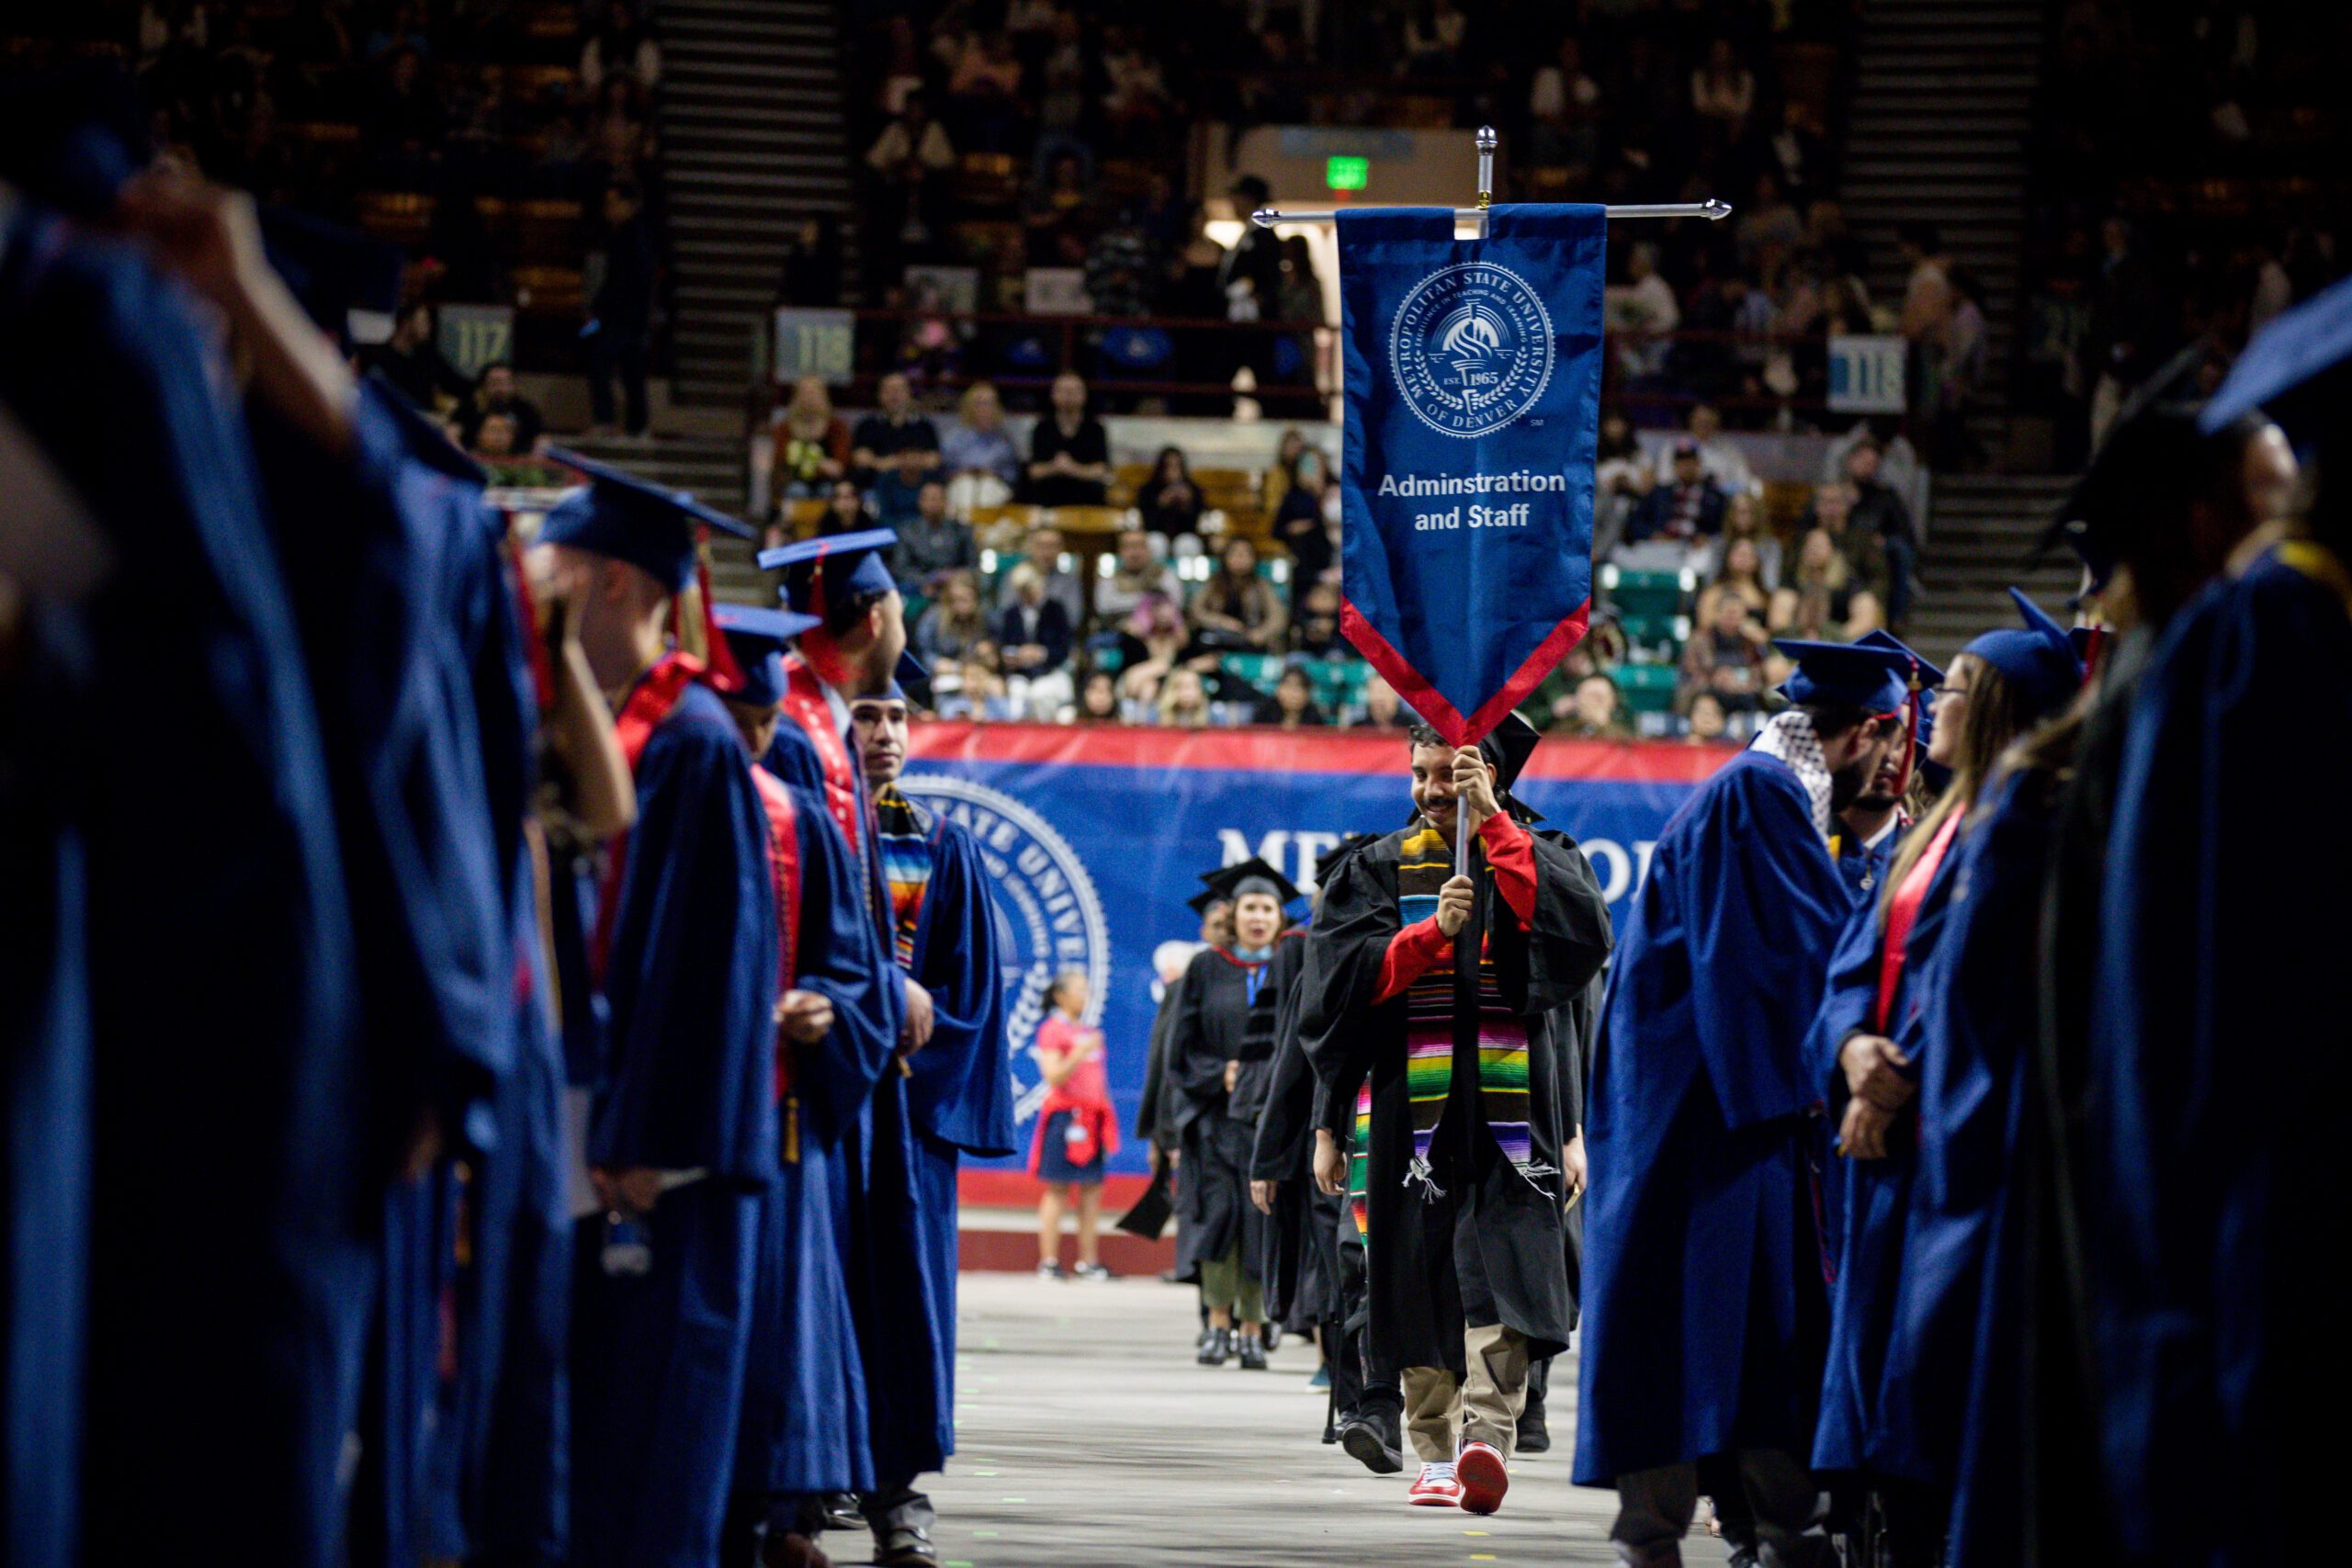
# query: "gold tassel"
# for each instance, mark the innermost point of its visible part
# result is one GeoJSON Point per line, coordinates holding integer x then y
{"type": "Point", "coordinates": [792, 1129]}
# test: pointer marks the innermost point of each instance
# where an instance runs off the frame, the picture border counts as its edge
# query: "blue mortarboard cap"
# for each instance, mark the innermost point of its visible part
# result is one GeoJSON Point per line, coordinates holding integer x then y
{"type": "Point", "coordinates": [331, 271]}
{"type": "Point", "coordinates": [1876, 680]}
{"type": "Point", "coordinates": [757, 638]}
{"type": "Point", "coordinates": [2298, 346]}
{"type": "Point", "coordinates": [2039, 662]}
{"type": "Point", "coordinates": [632, 520]}
{"type": "Point", "coordinates": [832, 567]}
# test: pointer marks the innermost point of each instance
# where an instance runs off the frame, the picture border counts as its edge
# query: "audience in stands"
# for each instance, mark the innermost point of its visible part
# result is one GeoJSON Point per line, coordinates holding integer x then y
{"type": "Point", "coordinates": [1236, 610]}
{"type": "Point", "coordinates": [846, 510]}
{"type": "Point", "coordinates": [1591, 710]}
{"type": "Point", "coordinates": [1184, 700]}
{"type": "Point", "coordinates": [1683, 509]}
{"type": "Point", "coordinates": [810, 445]}
{"type": "Point", "coordinates": [956, 621]}
{"type": "Point", "coordinates": [1725, 656]}
{"type": "Point", "coordinates": [983, 467]}
{"type": "Point", "coordinates": [494, 397]}
{"type": "Point", "coordinates": [1036, 636]}
{"type": "Point", "coordinates": [1135, 575]}
{"type": "Point", "coordinates": [932, 542]}
{"type": "Point", "coordinates": [620, 315]}
{"type": "Point", "coordinates": [896, 435]}
{"type": "Point", "coordinates": [1301, 522]}
{"type": "Point", "coordinates": [1170, 502]}
{"type": "Point", "coordinates": [1049, 552]}
{"type": "Point", "coordinates": [1070, 454]}
{"type": "Point", "coordinates": [1380, 707]}
{"type": "Point", "coordinates": [1707, 721]}
{"type": "Point", "coordinates": [411, 360]}
{"type": "Point", "coordinates": [1293, 705]}
{"type": "Point", "coordinates": [1879, 511]}
{"type": "Point", "coordinates": [1315, 630]}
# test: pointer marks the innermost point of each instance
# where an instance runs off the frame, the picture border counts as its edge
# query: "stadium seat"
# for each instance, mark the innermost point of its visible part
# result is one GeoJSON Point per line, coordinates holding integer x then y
{"type": "Point", "coordinates": [1646, 688]}
{"type": "Point", "coordinates": [1644, 592]}
{"type": "Point", "coordinates": [1259, 669]}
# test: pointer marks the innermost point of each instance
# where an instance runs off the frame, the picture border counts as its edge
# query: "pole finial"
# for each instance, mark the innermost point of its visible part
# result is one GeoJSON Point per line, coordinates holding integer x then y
{"type": "Point", "coordinates": [1488, 142]}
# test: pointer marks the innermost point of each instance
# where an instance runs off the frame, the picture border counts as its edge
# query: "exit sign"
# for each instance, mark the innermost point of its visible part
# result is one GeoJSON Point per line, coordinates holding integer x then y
{"type": "Point", "coordinates": [1346, 173]}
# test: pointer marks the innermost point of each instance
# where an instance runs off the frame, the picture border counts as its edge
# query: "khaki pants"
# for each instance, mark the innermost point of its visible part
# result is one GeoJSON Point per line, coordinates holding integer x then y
{"type": "Point", "coordinates": [1441, 1415]}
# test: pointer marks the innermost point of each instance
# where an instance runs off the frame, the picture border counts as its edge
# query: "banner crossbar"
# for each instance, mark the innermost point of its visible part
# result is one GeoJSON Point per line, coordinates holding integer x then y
{"type": "Point", "coordinates": [1714, 209]}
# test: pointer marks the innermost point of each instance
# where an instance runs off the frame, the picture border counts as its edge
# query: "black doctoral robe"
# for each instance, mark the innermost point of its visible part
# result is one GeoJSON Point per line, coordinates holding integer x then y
{"type": "Point", "coordinates": [1300, 1264]}
{"type": "Point", "coordinates": [1215, 1013]}
{"type": "Point", "coordinates": [1479, 1227]}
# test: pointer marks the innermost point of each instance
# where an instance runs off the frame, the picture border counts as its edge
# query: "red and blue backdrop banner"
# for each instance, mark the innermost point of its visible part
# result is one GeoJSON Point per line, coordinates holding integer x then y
{"type": "Point", "coordinates": [1094, 838]}
{"type": "Point", "coordinates": [1473, 378]}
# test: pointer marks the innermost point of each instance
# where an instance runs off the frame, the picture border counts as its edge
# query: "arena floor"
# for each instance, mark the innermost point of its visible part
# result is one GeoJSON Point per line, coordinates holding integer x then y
{"type": "Point", "coordinates": [1090, 1439]}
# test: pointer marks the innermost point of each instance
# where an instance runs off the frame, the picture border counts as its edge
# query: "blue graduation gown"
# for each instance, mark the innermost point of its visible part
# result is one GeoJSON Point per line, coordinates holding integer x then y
{"type": "Point", "coordinates": [44, 1094]}
{"type": "Point", "coordinates": [960, 1098]}
{"type": "Point", "coordinates": [1870, 1199]}
{"type": "Point", "coordinates": [223, 1026]}
{"type": "Point", "coordinates": [398, 592]}
{"type": "Point", "coordinates": [2222, 963]}
{"type": "Point", "coordinates": [1702, 1294]}
{"type": "Point", "coordinates": [805, 1426]}
{"type": "Point", "coordinates": [893, 1279]}
{"type": "Point", "coordinates": [1953, 1375]}
{"type": "Point", "coordinates": [657, 1358]}
{"type": "Point", "coordinates": [1864, 865]}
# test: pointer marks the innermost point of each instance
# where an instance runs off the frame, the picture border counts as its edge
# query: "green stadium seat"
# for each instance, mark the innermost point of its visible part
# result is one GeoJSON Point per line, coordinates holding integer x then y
{"type": "Point", "coordinates": [1260, 669]}
{"type": "Point", "coordinates": [1646, 688]}
{"type": "Point", "coordinates": [1644, 593]}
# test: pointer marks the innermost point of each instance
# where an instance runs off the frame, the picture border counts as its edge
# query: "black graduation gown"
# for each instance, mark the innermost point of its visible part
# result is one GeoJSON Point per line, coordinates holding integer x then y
{"type": "Point", "coordinates": [1300, 1265]}
{"type": "Point", "coordinates": [1416, 1256]}
{"type": "Point", "coordinates": [223, 1031]}
{"type": "Point", "coordinates": [1212, 1027]}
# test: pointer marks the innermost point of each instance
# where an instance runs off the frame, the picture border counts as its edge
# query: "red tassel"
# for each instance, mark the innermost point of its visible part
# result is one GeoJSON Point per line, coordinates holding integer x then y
{"type": "Point", "coordinates": [726, 676]}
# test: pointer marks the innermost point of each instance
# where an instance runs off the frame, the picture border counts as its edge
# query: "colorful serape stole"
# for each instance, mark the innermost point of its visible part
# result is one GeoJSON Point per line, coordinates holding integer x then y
{"type": "Point", "coordinates": [1425, 866]}
{"type": "Point", "coordinates": [906, 864]}
{"type": "Point", "coordinates": [1359, 1166]}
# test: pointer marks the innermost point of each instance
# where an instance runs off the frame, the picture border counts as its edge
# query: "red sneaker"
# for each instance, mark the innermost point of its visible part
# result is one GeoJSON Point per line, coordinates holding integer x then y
{"type": "Point", "coordinates": [1480, 1478]}
{"type": "Point", "coordinates": [1435, 1488]}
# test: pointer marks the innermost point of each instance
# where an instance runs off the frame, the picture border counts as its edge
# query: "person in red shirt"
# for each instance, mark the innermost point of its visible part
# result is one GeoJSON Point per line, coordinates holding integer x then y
{"type": "Point", "coordinates": [1077, 1130]}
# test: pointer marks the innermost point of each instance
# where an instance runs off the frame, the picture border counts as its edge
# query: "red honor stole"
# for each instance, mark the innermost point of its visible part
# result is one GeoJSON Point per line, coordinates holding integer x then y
{"type": "Point", "coordinates": [804, 705]}
{"type": "Point", "coordinates": [649, 701]}
{"type": "Point", "coordinates": [1905, 909]}
{"type": "Point", "coordinates": [784, 865]}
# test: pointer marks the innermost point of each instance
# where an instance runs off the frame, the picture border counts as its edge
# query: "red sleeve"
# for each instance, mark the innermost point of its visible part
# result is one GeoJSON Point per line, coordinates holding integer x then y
{"type": "Point", "coordinates": [1412, 952]}
{"type": "Point", "coordinates": [1512, 854]}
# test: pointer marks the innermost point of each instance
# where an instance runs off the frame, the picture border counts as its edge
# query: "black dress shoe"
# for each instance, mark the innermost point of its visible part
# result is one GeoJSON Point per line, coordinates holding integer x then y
{"type": "Point", "coordinates": [1217, 1348]}
{"type": "Point", "coordinates": [1371, 1441]}
{"type": "Point", "coordinates": [842, 1512]}
{"type": "Point", "coordinates": [1253, 1355]}
{"type": "Point", "coordinates": [1534, 1437]}
{"type": "Point", "coordinates": [1274, 1332]}
{"type": "Point", "coordinates": [904, 1546]}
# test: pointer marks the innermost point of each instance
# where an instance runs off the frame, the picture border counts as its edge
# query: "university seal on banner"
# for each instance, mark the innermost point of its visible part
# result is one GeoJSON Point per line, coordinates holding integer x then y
{"type": "Point", "coordinates": [1048, 916]}
{"type": "Point", "coordinates": [1471, 349]}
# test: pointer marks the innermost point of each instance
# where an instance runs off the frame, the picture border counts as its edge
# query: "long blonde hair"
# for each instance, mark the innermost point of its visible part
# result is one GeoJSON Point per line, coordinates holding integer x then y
{"type": "Point", "coordinates": [1985, 731]}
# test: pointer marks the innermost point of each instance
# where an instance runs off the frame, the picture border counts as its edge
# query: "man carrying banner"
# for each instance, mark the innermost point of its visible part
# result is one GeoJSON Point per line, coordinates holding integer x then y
{"type": "Point", "coordinates": [1426, 1009]}
{"type": "Point", "coordinates": [1705, 1312]}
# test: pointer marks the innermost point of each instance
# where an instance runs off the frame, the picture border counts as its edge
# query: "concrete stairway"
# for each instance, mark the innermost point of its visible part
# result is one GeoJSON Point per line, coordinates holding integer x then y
{"type": "Point", "coordinates": [753, 127]}
{"type": "Point", "coordinates": [1943, 105]}
{"type": "Point", "coordinates": [712, 469]}
{"type": "Point", "coordinates": [1986, 528]}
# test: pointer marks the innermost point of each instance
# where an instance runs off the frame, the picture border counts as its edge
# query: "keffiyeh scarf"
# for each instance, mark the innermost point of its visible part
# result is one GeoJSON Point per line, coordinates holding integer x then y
{"type": "Point", "coordinates": [1790, 737]}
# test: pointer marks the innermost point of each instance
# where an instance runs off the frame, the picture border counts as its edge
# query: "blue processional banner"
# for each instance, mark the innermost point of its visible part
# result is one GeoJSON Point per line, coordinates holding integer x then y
{"type": "Point", "coordinates": [1094, 839]}
{"type": "Point", "coordinates": [1473, 378]}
